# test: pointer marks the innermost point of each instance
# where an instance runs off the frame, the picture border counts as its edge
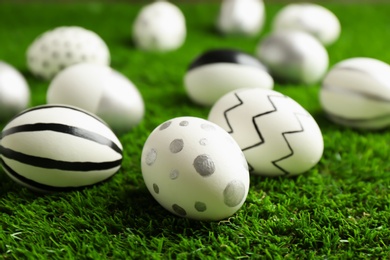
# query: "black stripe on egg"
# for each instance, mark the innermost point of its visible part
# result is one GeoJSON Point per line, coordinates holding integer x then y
{"type": "Point", "coordinates": [36, 185]}
{"type": "Point", "coordinates": [226, 56]}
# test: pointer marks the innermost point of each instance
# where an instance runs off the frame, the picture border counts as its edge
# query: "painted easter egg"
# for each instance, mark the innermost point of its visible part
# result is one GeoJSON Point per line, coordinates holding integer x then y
{"type": "Point", "coordinates": [58, 148]}
{"type": "Point", "coordinates": [194, 169]}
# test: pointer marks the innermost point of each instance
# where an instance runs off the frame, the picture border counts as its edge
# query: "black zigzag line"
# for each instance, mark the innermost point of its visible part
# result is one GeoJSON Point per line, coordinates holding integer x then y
{"type": "Point", "coordinates": [288, 144]}
{"type": "Point", "coordinates": [229, 109]}
{"type": "Point", "coordinates": [262, 140]}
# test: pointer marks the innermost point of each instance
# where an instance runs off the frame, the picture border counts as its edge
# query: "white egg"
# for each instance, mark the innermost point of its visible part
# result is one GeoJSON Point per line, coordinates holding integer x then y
{"type": "Point", "coordinates": [356, 93]}
{"type": "Point", "coordinates": [194, 169]}
{"type": "Point", "coordinates": [217, 72]}
{"type": "Point", "coordinates": [241, 17]}
{"type": "Point", "coordinates": [294, 56]}
{"type": "Point", "coordinates": [159, 26]}
{"type": "Point", "coordinates": [14, 91]}
{"type": "Point", "coordinates": [58, 148]}
{"type": "Point", "coordinates": [277, 135]}
{"type": "Point", "coordinates": [99, 90]}
{"type": "Point", "coordinates": [64, 46]}
{"type": "Point", "coordinates": [310, 18]}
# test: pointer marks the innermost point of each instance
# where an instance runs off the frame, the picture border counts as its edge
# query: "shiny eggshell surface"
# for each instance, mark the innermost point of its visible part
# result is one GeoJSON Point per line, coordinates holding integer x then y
{"type": "Point", "coordinates": [14, 91]}
{"type": "Point", "coordinates": [310, 18]}
{"type": "Point", "coordinates": [99, 90]}
{"type": "Point", "coordinates": [241, 17]}
{"type": "Point", "coordinates": [217, 72]}
{"type": "Point", "coordinates": [194, 169]}
{"type": "Point", "coordinates": [277, 135]}
{"type": "Point", "coordinates": [159, 26]}
{"type": "Point", "coordinates": [356, 93]}
{"type": "Point", "coordinates": [294, 56]}
{"type": "Point", "coordinates": [58, 148]}
{"type": "Point", "coordinates": [63, 46]}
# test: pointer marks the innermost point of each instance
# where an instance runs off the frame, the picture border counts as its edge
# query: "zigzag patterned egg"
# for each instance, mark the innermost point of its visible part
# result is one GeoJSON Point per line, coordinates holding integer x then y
{"type": "Point", "coordinates": [58, 148]}
{"type": "Point", "coordinates": [277, 135]}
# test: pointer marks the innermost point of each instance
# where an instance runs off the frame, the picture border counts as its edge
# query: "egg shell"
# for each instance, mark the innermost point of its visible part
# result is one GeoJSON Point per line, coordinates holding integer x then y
{"type": "Point", "coordinates": [277, 135]}
{"type": "Point", "coordinates": [356, 93]}
{"type": "Point", "coordinates": [58, 148]}
{"type": "Point", "coordinates": [159, 26]}
{"type": "Point", "coordinates": [241, 17]}
{"type": "Point", "coordinates": [311, 18]}
{"type": "Point", "coordinates": [99, 90]}
{"type": "Point", "coordinates": [194, 169]}
{"type": "Point", "coordinates": [63, 46]}
{"type": "Point", "coordinates": [293, 56]}
{"type": "Point", "coordinates": [217, 72]}
{"type": "Point", "coordinates": [14, 91]}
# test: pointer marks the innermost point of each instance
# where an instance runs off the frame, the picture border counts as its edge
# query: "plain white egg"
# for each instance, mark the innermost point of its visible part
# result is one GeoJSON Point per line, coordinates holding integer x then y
{"type": "Point", "coordinates": [100, 90]}
{"type": "Point", "coordinates": [14, 91]}
{"type": "Point", "coordinates": [159, 26]}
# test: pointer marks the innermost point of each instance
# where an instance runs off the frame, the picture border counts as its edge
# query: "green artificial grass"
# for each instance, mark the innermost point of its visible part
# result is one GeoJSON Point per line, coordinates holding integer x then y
{"type": "Point", "coordinates": [340, 209]}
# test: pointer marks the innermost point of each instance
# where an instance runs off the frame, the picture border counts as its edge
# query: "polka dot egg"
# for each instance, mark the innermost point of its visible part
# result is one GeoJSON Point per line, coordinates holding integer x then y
{"type": "Point", "coordinates": [195, 169]}
{"type": "Point", "coordinates": [63, 46]}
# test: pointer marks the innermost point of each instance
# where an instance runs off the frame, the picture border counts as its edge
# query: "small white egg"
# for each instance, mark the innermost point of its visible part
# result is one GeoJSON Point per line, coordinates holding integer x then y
{"type": "Point", "coordinates": [64, 46]}
{"type": "Point", "coordinates": [241, 17]}
{"type": "Point", "coordinates": [277, 135]}
{"type": "Point", "coordinates": [194, 169]}
{"type": "Point", "coordinates": [160, 27]}
{"type": "Point", "coordinates": [294, 56]}
{"type": "Point", "coordinates": [99, 90]}
{"type": "Point", "coordinates": [217, 72]}
{"type": "Point", "coordinates": [356, 93]}
{"type": "Point", "coordinates": [314, 19]}
{"type": "Point", "coordinates": [58, 148]}
{"type": "Point", "coordinates": [14, 91]}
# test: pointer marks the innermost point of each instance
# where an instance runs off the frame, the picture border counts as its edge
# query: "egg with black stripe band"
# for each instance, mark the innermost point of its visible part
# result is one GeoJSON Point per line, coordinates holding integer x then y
{"type": "Point", "coordinates": [58, 148]}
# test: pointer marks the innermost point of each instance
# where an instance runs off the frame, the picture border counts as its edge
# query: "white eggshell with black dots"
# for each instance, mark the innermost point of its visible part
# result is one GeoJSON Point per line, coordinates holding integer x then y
{"type": "Point", "coordinates": [100, 90]}
{"type": "Point", "coordinates": [241, 17]}
{"type": "Point", "coordinates": [356, 93]}
{"type": "Point", "coordinates": [277, 135]}
{"type": "Point", "coordinates": [159, 26]}
{"type": "Point", "coordinates": [311, 18]}
{"type": "Point", "coordinates": [58, 148]}
{"type": "Point", "coordinates": [63, 46]}
{"type": "Point", "coordinates": [14, 91]}
{"type": "Point", "coordinates": [194, 169]}
{"type": "Point", "coordinates": [293, 56]}
{"type": "Point", "coordinates": [217, 72]}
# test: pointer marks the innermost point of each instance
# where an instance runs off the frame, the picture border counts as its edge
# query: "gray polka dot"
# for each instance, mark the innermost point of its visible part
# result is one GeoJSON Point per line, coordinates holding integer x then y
{"type": "Point", "coordinates": [174, 174]}
{"type": "Point", "coordinates": [151, 157]}
{"type": "Point", "coordinates": [156, 188]}
{"type": "Point", "coordinates": [165, 125]}
{"type": "Point", "coordinates": [203, 141]}
{"type": "Point", "coordinates": [207, 127]}
{"type": "Point", "coordinates": [176, 145]}
{"type": "Point", "coordinates": [234, 193]}
{"type": "Point", "coordinates": [183, 123]}
{"type": "Point", "coordinates": [200, 206]}
{"type": "Point", "coordinates": [204, 165]}
{"type": "Point", "coordinates": [179, 210]}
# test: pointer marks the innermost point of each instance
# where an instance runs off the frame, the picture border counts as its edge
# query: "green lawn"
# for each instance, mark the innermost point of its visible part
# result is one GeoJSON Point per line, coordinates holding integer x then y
{"type": "Point", "coordinates": [340, 209]}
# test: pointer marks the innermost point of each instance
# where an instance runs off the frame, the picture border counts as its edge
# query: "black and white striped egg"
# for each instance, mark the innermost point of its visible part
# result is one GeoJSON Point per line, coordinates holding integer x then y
{"type": "Point", "coordinates": [219, 71]}
{"type": "Point", "coordinates": [58, 148]}
{"type": "Point", "coordinates": [356, 93]}
{"type": "Point", "coordinates": [195, 169]}
{"type": "Point", "coordinates": [63, 46]}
